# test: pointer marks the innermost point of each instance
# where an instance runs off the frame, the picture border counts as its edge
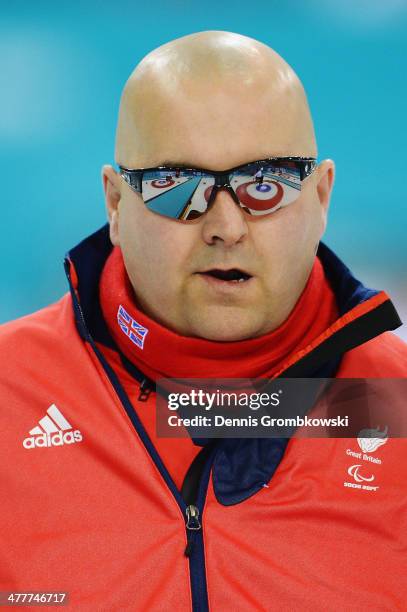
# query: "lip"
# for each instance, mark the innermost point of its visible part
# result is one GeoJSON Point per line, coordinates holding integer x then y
{"type": "Point", "coordinates": [225, 286]}
{"type": "Point", "coordinates": [224, 270]}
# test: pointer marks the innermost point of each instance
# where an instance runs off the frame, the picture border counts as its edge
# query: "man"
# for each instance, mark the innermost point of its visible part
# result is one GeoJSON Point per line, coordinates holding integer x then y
{"type": "Point", "coordinates": [259, 175]}
{"type": "Point", "coordinates": [218, 281]}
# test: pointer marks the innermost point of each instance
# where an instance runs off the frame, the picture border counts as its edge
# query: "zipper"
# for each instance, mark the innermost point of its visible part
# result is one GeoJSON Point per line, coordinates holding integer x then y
{"type": "Point", "coordinates": [193, 525]}
{"type": "Point", "coordinates": [192, 513]}
{"type": "Point", "coordinates": [193, 491]}
{"type": "Point", "coordinates": [190, 493]}
{"type": "Point", "coordinates": [145, 390]}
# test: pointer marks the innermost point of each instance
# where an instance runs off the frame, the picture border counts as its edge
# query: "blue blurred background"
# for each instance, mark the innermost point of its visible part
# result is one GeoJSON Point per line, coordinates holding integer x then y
{"type": "Point", "coordinates": [62, 68]}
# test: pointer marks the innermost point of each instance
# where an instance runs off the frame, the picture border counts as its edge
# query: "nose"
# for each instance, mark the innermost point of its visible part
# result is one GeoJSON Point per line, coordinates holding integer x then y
{"type": "Point", "coordinates": [225, 221]}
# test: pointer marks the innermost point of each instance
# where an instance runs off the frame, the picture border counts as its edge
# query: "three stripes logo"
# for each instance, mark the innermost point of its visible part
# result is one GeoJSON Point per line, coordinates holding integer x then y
{"type": "Point", "coordinates": [52, 430]}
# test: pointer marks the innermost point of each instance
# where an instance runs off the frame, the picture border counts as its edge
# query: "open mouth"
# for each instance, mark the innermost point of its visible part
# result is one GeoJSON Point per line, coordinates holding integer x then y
{"type": "Point", "coordinates": [234, 275]}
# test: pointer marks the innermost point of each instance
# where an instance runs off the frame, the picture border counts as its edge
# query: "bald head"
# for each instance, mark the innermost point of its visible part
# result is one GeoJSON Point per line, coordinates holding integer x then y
{"type": "Point", "coordinates": [212, 99]}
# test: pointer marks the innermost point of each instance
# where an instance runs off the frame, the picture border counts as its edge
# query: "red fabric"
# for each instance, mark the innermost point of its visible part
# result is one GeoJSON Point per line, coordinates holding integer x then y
{"type": "Point", "coordinates": [168, 354]}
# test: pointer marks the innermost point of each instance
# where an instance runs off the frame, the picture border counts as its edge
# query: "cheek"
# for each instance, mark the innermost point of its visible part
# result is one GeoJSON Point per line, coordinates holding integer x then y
{"type": "Point", "coordinates": [153, 248]}
{"type": "Point", "coordinates": [132, 236]}
{"type": "Point", "coordinates": [289, 236]}
{"type": "Point", "coordinates": [305, 221]}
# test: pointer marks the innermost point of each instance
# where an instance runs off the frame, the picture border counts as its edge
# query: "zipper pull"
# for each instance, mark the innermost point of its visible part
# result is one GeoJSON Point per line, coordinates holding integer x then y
{"type": "Point", "coordinates": [145, 391]}
{"type": "Point", "coordinates": [193, 518]}
{"type": "Point", "coordinates": [193, 525]}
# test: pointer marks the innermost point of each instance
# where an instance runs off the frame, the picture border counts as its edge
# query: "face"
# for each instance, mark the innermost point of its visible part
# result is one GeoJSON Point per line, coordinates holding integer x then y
{"type": "Point", "coordinates": [166, 259]}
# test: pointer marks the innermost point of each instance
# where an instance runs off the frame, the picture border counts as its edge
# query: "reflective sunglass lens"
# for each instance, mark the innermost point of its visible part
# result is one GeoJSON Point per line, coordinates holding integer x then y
{"type": "Point", "coordinates": [178, 194]}
{"type": "Point", "coordinates": [264, 189]}
{"type": "Point", "coordinates": [184, 194]}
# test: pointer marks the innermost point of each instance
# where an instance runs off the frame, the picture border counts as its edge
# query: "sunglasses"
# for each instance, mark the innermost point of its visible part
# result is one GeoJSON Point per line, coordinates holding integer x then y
{"type": "Point", "coordinates": [259, 187]}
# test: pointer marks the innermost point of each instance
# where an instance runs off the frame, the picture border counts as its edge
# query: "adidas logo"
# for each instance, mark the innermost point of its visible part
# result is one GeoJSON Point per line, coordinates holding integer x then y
{"type": "Point", "coordinates": [52, 431]}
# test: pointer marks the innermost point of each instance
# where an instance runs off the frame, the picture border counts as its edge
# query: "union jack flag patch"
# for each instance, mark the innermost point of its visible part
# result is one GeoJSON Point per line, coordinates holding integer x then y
{"type": "Point", "coordinates": [136, 332]}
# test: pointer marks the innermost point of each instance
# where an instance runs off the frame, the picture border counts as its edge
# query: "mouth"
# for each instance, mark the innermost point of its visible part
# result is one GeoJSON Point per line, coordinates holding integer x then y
{"type": "Point", "coordinates": [232, 275]}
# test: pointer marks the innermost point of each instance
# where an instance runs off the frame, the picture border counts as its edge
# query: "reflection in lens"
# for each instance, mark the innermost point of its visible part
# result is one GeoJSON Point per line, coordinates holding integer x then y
{"type": "Point", "coordinates": [184, 193]}
{"type": "Point", "coordinates": [198, 202]}
{"type": "Point", "coordinates": [168, 192]}
{"type": "Point", "coordinates": [267, 188]}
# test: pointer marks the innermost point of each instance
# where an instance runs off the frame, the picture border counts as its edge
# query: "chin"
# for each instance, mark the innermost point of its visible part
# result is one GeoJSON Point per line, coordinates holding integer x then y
{"type": "Point", "coordinates": [225, 330]}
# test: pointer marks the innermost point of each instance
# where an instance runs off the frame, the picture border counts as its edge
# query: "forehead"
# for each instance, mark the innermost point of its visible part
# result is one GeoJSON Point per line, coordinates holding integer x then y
{"type": "Point", "coordinates": [217, 131]}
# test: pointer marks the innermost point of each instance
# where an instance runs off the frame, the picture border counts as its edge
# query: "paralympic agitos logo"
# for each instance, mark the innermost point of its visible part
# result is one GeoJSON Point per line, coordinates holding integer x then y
{"type": "Point", "coordinates": [354, 472]}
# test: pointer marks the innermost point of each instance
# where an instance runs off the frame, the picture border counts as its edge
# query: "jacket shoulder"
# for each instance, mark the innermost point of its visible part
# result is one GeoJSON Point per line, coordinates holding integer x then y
{"type": "Point", "coordinates": [382, 357]}
{"type": "Point", "coordinates": [41, 328]}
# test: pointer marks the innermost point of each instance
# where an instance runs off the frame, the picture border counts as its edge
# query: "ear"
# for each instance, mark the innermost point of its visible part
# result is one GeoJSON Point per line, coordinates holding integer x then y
{"type": "Point", "coordinates": [325, 182]}
{"type": "Point", "coordinates": [111, 187]}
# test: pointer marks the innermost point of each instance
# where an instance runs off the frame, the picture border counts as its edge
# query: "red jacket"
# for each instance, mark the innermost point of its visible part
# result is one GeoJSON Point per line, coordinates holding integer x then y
{"type": "Point", "coordinates": [96, 514]}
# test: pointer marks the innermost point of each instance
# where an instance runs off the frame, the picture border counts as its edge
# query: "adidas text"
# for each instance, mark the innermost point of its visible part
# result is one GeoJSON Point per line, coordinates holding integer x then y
{"type": "Point", "coordinates": [58, 439]}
